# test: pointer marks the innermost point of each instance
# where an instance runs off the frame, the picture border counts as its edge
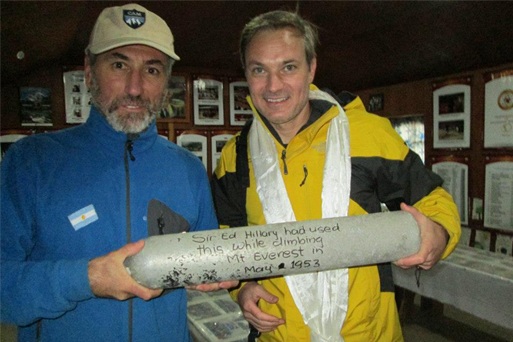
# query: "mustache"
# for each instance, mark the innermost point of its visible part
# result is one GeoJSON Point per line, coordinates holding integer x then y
{"type": "Point", "coordinates": [130, 100]}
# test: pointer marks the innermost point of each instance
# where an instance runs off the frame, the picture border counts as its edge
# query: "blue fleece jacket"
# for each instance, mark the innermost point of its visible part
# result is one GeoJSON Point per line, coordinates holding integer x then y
{"type": "Point", "coordinates": [46, 180]}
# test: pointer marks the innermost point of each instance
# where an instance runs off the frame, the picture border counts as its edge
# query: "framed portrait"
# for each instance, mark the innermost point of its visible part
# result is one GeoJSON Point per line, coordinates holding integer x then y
{"type": "Point", "coordinates": [451, 114]}
{"type": "Point", "coordinates": [194, 141]}
{"type": "Point", "coordinates": [77, 96]}
{"type": "Point", "coordinates": [240, 110]}
{"type": "Point", "coordinates": [7, 138]}
{"type": "Point", "coordinates": [36, 106]}
{"type": "Point", "coordinates": [208, 102]}
{"type": "Point", "coordinates": [177, 104]}
{"type": "Point", "coordinates": [376, 103]}
{"type": "Point", "coordinates": [217, 142]}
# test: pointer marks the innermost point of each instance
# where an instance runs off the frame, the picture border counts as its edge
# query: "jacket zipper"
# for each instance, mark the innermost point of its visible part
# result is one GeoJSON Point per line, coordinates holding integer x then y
{"type": "Point", "coordinates": [129, 146]}
{"type": "Point", "coordinates": [285, 169]}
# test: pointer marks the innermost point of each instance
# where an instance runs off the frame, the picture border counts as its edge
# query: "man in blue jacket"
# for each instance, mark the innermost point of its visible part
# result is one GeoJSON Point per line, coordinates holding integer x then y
{"type": "Point", "coordinates": [75, 203]}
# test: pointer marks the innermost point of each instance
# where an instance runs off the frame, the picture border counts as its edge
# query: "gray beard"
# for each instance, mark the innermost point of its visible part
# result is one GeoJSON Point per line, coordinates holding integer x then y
{"type": "Point", "coordinates": [131, 123]}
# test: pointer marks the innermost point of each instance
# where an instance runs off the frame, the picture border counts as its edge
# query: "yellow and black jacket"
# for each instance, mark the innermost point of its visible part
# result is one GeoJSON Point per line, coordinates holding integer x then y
{"type": "Point", "coordinates": [384, 170]}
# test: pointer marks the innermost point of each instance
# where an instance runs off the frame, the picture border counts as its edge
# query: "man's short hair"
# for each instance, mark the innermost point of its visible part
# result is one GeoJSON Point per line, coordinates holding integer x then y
{"type": "Point", "coordinates": [276, 20]}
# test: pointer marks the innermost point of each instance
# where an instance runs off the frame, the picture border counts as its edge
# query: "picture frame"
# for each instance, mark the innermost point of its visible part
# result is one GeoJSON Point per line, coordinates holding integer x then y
{"type": "Point", "coordinates": [451, 114]}
{"type": "Point", "coordinates": [208, 102]}
{"type": "Point", "coordinates": [498, 202]}
{"type": "Point", "coordinates": [36, 106]}
{"type": "Point", "coordinates": [196, 142]}
{"type": "Point", "coordinates": [77, 96]}
{"type": "Point", "coordinates": [455, 173]}
{"type": "Point", "coordinates": [177, 107]}
{"type": "Point", "coordinates": [376, 103]}
{"type": "Point", "coordinates": [240, 110]}
{"type": "Point", "coordinates": [498, 110]}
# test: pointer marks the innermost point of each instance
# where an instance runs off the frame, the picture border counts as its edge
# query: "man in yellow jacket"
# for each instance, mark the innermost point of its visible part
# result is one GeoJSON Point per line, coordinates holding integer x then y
{"type": "Point", "coordinates": [310, 155]}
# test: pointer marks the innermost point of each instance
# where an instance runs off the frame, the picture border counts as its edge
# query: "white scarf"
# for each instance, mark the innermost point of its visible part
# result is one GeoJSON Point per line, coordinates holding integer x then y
{"type": "Point", "coordinates": [321, 297]}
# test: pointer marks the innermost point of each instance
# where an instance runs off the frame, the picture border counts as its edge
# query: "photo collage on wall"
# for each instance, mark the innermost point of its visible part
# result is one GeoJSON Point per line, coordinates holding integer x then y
{"type": "Point", "coordinates": [195, 142]}
{"type": "Point", "coordinates": [176, 107]}
{"type": "Point", "coordinates": [451, 114]}
{"type": "Point", "coordinates": [492, 215]}
{"type": "Point", "coordinates": [77, 97]}
{"type": "Point", "coordinates": [240, 110]}
{"type": "Point", "coordinates": [208, 102]}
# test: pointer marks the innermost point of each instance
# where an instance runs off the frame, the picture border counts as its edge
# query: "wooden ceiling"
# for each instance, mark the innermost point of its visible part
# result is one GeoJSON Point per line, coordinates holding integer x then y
{"type": "Point", "coordinates": [364, 44]}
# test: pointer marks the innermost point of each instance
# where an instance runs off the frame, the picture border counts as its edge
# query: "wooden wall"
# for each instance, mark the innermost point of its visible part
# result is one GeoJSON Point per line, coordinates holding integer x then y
{"type": "Point", "coordinates": [404, 99]}
{"type": "Point", "coordinates": [417, 98]}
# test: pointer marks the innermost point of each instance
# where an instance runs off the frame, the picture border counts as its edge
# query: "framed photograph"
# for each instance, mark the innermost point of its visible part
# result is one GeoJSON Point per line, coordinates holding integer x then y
{"type": "Point", "coordinates": [451, 114]}
{"type": "Point", "coordinates": [240, 111]}
{"type": "Point", "coordinates": [77, 97]}
{"type": "Point", "coordinates": [7, 138]}
{"type": "Point", "coordinates": [498, 111]}
{"type": "Point", "coordinates": [376, 103]}
{"type": "Point", "coordinates": [36, 106]}
{"type": "Point", "coordinates": [208, 102]}
{"type": "Point", "coordinates": [177, 106]}
{"type": "Point", "coordinates": [218, 140]}
{"type": "Point", "coordinates": [195, 142]}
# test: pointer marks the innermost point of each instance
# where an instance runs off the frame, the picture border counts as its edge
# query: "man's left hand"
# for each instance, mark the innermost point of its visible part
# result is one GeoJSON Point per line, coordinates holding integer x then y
{"type": "Point", "coordinates": [214, 286]}
{"type": "Point", "coordinates": [433, 242]}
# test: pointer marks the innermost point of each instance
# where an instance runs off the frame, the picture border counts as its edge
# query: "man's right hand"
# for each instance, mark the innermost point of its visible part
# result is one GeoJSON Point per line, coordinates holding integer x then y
{"type": "Point", "coordinates": [109, 278]}
{"type": "Point", "coordinates": [248, 297]}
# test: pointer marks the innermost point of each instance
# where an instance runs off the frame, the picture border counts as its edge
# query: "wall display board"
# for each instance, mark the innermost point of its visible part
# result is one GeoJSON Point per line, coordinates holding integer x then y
{"type": "Point", "coordinates": [77, 97]}
{"type": "Point", "coordinates": [36, 106]}
{"type": "Point", "coordinates": [177, 103]}
{"type": "Point", "coordinates": [208, 102]}
{"type": "Point", "coordinates": [195, 142]}
{"type": "Point", "coordinates": [240, 110]}
{"type": "Point", "coordinates": [498, 110]}
{"type": "Point", "coordinates": [451, 114]}
{"type": "Point", "coordinates": [498, 210]}
{"type": "Point", "coordinates": [7, 138]}
{"type": "Point", "coordinates": [454, 172]}
{"type": "Point", "coordinates": [218, 140]}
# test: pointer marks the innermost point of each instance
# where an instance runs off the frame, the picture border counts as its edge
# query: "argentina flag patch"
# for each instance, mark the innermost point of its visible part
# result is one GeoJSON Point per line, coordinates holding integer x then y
{"type": "Point", "coordinates": [83, 217]}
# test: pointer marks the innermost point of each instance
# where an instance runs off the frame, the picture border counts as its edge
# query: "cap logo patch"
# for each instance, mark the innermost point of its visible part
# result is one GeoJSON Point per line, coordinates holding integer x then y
{"type": "Point", "coordinates": [134, 18]}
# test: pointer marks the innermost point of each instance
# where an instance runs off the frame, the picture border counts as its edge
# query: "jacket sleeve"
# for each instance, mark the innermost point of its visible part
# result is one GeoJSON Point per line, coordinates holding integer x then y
{"type": "Point", "coordinates": [408, 180]}
{"type": "Point", "coordinates": [31, 289]}
{"type": "Point", "coordinates": [228, 191]}
{"type": "Point", "coordinates": [440, 207]}
{"type": "Point", "coordinates": [229, 195]}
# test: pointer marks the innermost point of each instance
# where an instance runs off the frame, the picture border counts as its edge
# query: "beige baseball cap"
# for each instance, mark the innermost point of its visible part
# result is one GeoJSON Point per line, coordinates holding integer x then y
{"type": "Point", "coordinates": [129, 25]}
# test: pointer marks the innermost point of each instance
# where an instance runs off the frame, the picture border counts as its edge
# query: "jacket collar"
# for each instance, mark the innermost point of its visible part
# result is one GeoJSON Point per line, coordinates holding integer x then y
{"type": "Point", "coordinates": [115, 141]}
{"type": "Point", "coordinates": [322, 113]}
